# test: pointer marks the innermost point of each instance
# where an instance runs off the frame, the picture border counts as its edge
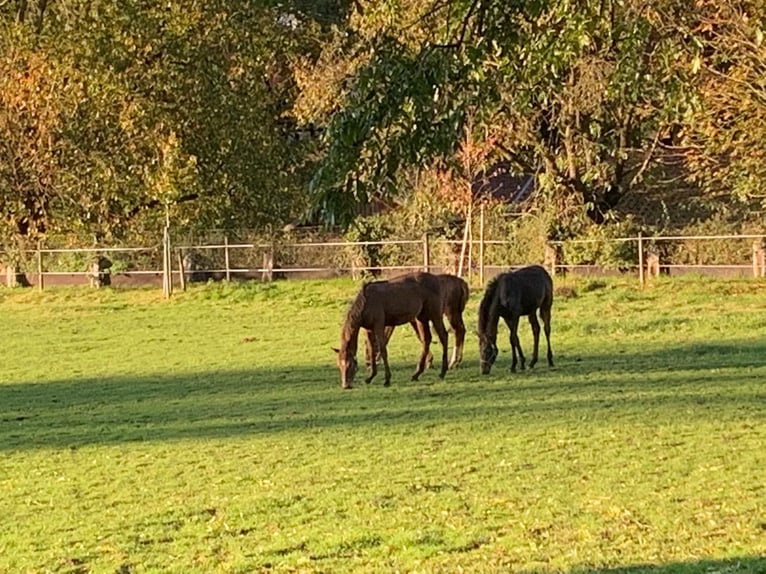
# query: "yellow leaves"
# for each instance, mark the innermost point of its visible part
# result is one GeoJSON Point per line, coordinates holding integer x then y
{"type": "Point", "coordinates": [173, 170]}
{"type": "Point", "coordinates": [696, 64]}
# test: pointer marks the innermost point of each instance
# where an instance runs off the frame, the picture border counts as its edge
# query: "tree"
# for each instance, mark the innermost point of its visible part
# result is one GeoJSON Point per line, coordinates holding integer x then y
{"type": "Point", "coordinates": [144, 108]}
{"type": "Point", "coordinates": [725, 137]}
{"type": "Point", "coordinates": [582, 93]}
{"type": "Point", "coordinates": [35, 102]}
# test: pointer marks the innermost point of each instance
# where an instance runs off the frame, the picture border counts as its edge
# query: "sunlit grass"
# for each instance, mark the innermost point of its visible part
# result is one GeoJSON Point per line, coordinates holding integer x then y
{"type": "Point", "coordinates": [208, 433]}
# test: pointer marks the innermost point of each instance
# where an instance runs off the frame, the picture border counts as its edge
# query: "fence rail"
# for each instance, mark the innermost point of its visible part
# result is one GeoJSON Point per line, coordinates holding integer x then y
{"type": "Point", "coordinates": [168, 264]}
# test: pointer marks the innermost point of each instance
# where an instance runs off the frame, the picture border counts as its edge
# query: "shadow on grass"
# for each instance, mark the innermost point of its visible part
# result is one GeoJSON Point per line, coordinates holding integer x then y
{"type": "Point", "coordinates": [743, 565]}
{"type": "Point", "coordinates": [112, 410]}
{"type": "Point", "coordinates": [696, 356]}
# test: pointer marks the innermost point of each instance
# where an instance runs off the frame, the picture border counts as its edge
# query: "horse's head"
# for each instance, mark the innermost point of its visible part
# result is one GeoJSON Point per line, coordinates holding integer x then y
{"type": "Point", "coordinates": [347, 365]}
{"type": "Point", "coordinates": [487, 353]}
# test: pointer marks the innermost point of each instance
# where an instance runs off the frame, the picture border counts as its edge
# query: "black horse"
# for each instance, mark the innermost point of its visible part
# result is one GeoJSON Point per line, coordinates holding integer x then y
{"type": "Point", "coordinates": [511, 295]}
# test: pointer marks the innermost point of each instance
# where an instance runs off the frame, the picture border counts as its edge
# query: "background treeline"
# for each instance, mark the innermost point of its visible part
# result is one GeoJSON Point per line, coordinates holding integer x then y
{"type": "Point", "coordinates": [118, 116]}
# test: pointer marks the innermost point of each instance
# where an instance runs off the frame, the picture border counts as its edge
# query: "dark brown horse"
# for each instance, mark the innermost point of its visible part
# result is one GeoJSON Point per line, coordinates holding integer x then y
{"type": "Point", "coordinates": [511, 295]}
{"type": "Point", "coordinates": [415, 297]}
{"type": "Point", "coordinates": [454, 296]}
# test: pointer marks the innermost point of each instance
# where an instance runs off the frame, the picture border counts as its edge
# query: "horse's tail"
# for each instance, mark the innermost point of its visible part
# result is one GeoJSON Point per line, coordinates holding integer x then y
{"type": "Point", "coordinates": [465, 294]}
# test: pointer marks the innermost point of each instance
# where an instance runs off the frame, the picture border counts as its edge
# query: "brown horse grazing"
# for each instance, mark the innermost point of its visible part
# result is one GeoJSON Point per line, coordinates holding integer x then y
{"type": "Point", "coordinates": [454, 296]}
{"type": "Point", "coordinates": [415, 297]}
{"type": "Point", "coordinates": [511, 295]}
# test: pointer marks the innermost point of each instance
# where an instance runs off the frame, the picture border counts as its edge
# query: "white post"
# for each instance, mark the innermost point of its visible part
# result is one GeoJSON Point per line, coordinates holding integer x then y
{"type": "Point", "coordinates": [226, 257]}
{"type": "Point", "coordinates": [167, 285]}
{"type": "Point", "coordinates": [641, 278]}
{"type": "Point", "coordinates": [465, 242]}
{"type": "Point", "coordinates": [481, 245]}
{"type": "Point", "coordinates": [39, 266]}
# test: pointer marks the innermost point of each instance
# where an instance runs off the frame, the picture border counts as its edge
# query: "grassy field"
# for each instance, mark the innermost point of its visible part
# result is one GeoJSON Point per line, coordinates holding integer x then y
{"type": "Point", "coordinates": [208, 433]}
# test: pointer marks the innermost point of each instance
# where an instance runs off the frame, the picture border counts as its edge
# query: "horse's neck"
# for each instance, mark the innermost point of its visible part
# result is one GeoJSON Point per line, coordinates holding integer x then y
{"type": "Point", "coordinates": [490, 320]}
{"type": "Point", "coordinates": [349, 338]}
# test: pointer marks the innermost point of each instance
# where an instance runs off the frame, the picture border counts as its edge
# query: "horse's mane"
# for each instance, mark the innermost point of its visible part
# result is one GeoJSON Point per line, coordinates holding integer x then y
{"type": "Point", "coordinates": [486, 303]}
{"type": "Point", "coordinates": [354, 316]}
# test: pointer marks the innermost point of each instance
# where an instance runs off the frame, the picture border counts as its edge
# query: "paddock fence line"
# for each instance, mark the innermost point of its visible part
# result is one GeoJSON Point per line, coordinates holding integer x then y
{"type": "Point", "coordinates": [169, 265]}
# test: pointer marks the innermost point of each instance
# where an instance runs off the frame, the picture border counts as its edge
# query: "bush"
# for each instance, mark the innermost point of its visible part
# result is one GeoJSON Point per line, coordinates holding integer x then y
{"type": "Point", "coordinates": [371, 228]}
{"type": "Point", "coordinates": [712, 251]}
{"type": "Point", "coordinates": [597, 245]}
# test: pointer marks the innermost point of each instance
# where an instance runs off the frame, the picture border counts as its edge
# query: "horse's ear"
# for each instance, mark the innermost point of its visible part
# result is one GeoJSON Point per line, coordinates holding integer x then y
{"type": "Point", "coordinates": [336, 350]}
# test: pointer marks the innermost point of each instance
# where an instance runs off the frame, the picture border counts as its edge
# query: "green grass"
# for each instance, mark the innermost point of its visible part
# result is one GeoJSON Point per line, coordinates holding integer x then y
{"type": "Point", "coordinates": [208, 433]}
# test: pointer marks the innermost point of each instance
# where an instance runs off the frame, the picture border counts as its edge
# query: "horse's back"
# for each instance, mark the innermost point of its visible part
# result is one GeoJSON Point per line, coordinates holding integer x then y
{"type": "Point", "coordinates": [530, 288]}
{"type": "Point", "coordinates": [401, 299]}
{"type": "Point", "coordinates": [428, 281]}
{"type": "Point", "coordinates": [430, 286]}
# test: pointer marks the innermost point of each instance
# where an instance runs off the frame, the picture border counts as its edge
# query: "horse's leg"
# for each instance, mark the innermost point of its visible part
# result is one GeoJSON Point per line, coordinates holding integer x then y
{"type": "Point", "coordinates": [380, 335]}
{"type": "Point", "coordinates": [443, 339]}
{"type": "Point", "coordinates": [459, 327]}
{"type": "Point", "coordinates": [369, 349]}
{"type": "Point", "coordinates": [372, 354]}
{"type": "Point", "coordinates": [389, 333]}
{"type": "Point", "coordinates": [535, 324]}
{"type": "Point", "coordinates": [430, 357]}
{"type": "Point", "coordinates": [545, 315]}
{"type": "Point", "coordinates": [513, 326]}
{"type": "Point", "coordinates": [424, 334]}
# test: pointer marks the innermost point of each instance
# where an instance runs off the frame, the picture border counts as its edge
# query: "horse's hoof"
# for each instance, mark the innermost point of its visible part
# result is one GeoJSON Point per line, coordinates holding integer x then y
{"type": "Point", "coordinates": [346, 387]}
{"type": "Point", "coordinates": [387, 384]}
{"type": "Point", "coordinates": [368, 380]}
{"type": "Point", "coordinates": [414, 377]}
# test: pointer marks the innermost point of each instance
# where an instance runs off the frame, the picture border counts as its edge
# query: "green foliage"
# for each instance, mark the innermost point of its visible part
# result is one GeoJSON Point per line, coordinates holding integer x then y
{"type": "Point", "coordinates": [526, 233]}
{"type": "Point", "coordinates": [115, 116]}
{"type": "Point", "coordinates": [137, 114]}
{"type": "Point", "coordinates": [597, 246]}
{"type": "Point", "coordinates": [726, 132]}
{"type": "Point", "coordinates": [397, 116]}
{"type": "Point", "coordinates": [376, 229]}
{"type": "Point", "coordinates": [713, 251]}
{"type": "Point", "coordinates": [584, 93]}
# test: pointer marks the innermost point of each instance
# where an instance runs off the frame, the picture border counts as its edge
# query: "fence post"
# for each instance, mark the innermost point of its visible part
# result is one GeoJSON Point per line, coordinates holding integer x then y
{"type": "Point", "coordinates": [641, 278]}
{"type": "Point", "coordinates": [759, 258]}
{"type": "Point", "coordinates": [426, 253]}
{"type": "Point", "coordinates": [469, 263]}
{"type": "Point", "coordinates": [551, 257]}
{"type": "Point", "coordinates": [10, 275]}
{"type": "Point", "coordinates": [354, 272]}
{"type": "Point", "coordinates": [464, 244]}
{"type": "Point", "coordinates": [181, 271]}
{"type": "Point", "coordinates": [481, 244]}
{"type": "Point", "coordinates": [226, 257]}
{"type": "Point", "coordinates": [268, 264]}
{"type": "Point", "coordinates": [39, 266]}
{"type": "Point", "coordinates": [763, 258]}
{"type": "Point", "coordinates": [167, 282]}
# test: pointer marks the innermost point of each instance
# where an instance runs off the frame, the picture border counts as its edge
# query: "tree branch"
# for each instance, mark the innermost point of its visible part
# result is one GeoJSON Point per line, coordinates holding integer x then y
{"type": "Point", "coordinates": [463, 29]}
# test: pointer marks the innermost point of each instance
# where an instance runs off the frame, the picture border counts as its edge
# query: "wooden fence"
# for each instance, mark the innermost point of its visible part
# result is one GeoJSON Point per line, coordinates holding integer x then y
{"type": "Point", "coordinates": [173, 266]}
